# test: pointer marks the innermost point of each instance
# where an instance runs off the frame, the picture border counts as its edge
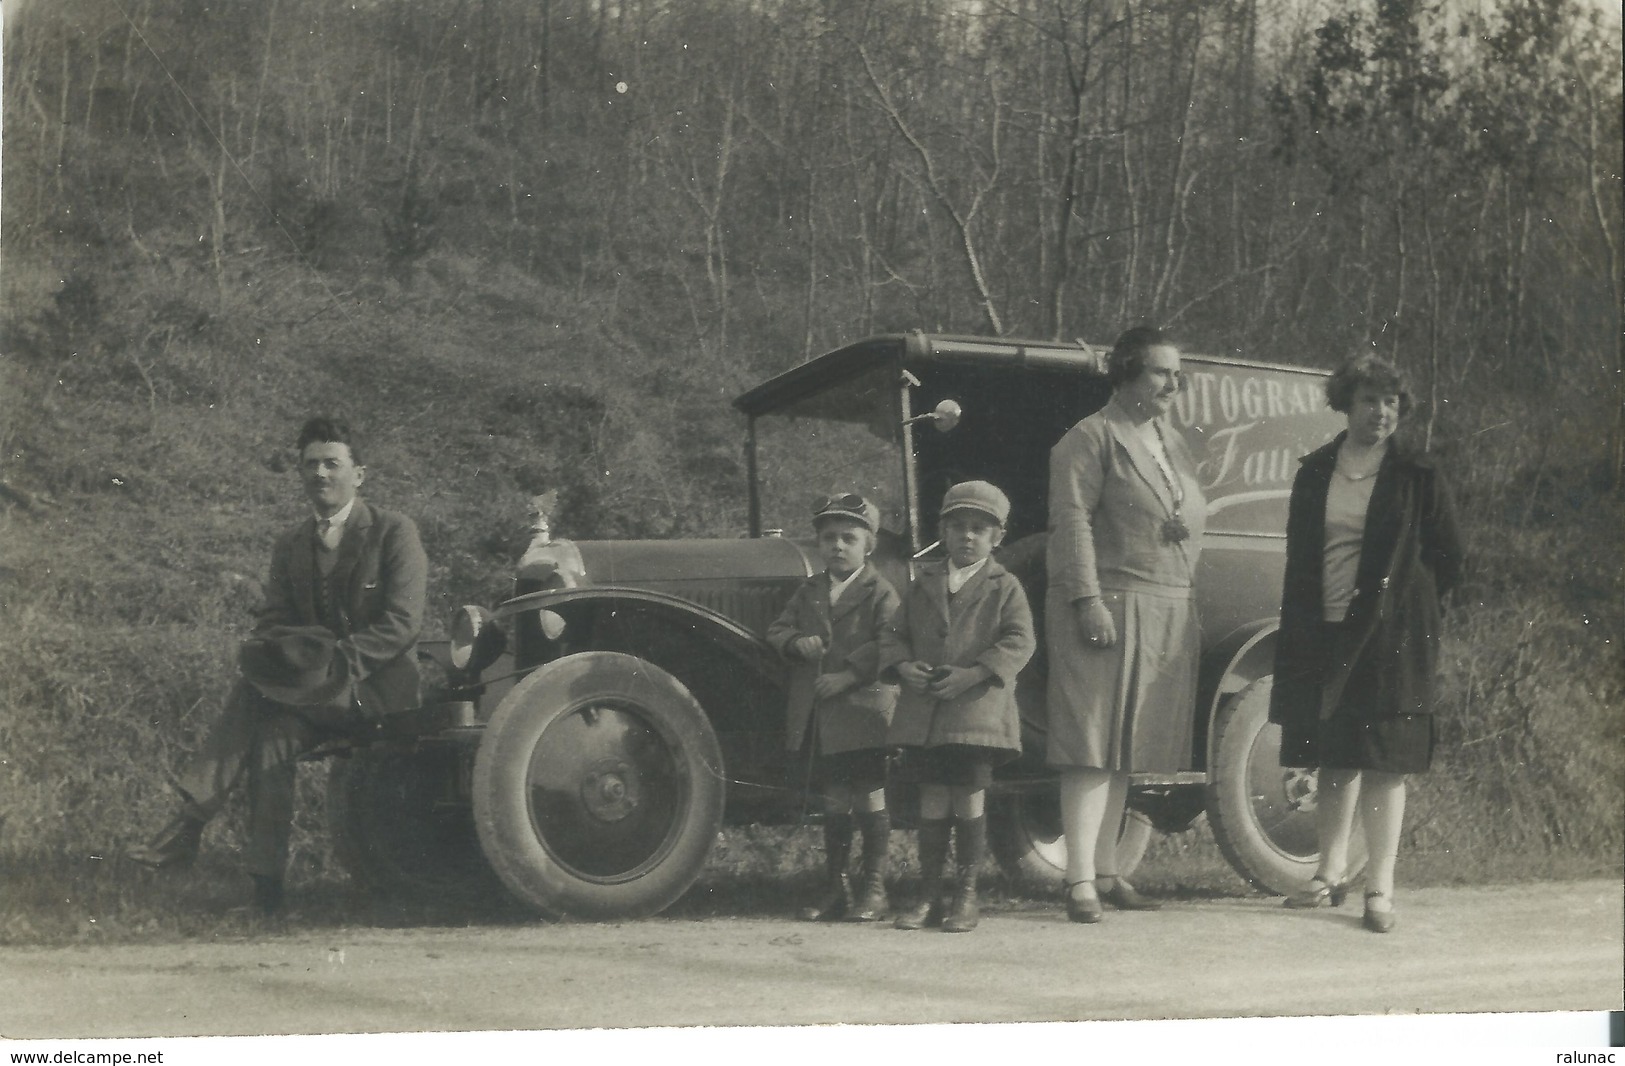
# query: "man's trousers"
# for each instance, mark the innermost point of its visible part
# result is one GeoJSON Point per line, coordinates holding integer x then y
{"type": "Point", "coordinates": [257, 743]}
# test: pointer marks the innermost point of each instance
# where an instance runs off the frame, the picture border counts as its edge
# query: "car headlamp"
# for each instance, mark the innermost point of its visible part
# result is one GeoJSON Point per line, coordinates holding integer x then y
{"type": "Point", "coordinates": [476, 639]}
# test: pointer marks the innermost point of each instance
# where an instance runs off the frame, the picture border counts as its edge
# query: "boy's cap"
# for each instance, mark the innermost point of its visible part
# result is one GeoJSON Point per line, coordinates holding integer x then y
{"type": "Point", "coordinates": [982, 496]}
{"type": "Point", "coordinates": [848, 505]}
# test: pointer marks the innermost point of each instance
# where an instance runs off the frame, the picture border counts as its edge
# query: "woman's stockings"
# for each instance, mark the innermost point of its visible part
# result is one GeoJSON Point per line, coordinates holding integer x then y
{"type": "Point", "coordinates": [1336, 801]}
{"type": "Point", "coordinates": [1382, 812]}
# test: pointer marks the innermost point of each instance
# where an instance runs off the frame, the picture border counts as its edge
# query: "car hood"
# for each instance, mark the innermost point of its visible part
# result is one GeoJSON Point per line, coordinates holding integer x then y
{"type": "Point", "coordinates": [674, 564]}
{"type": "Point", "coordinates": [746, 580]}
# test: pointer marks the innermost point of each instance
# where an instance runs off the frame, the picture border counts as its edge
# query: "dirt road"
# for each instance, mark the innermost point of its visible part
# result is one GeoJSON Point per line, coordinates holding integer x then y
{"type": "Point", "coordinates": [1510, 948]}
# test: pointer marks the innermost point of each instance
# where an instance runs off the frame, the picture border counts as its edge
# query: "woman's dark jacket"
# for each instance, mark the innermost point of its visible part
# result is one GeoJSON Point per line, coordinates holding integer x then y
{"type": "Point", "coordinates": [1410, 557]}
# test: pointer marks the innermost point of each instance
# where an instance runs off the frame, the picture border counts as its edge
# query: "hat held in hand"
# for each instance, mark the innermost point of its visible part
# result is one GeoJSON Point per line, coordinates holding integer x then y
{"type": "Point", "coordinates": [296, 665]}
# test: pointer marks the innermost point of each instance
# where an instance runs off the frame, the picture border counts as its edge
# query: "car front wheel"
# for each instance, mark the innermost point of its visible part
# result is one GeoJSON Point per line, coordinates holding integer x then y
{"type": "Point", "coordinates": [598, 788]}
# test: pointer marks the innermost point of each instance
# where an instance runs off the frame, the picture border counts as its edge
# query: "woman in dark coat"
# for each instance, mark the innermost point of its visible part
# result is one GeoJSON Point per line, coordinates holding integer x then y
{"type": "Point", "coordinates": [1372, 547]}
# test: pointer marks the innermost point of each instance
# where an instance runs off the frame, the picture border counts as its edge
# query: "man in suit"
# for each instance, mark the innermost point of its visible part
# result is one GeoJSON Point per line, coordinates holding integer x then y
{"type": "Point", "coordinates": [332, 651]}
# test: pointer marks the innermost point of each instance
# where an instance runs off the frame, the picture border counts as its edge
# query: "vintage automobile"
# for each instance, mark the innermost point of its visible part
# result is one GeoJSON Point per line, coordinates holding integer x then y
{"type": "Point", "coordinates": [598, 728]}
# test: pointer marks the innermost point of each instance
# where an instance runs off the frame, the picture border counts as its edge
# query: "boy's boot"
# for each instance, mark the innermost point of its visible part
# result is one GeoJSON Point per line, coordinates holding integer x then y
{"type": "Point", "coordinates": [836, 898]}
{"type": "Point", "coordinates": [927, 910]}
{"type": "Point", "coordinates": [970, 836]}
{"type": "Point", "coordinates": [871, 903]}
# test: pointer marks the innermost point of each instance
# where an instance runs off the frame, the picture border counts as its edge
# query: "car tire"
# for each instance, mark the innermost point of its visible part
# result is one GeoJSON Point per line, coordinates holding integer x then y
{"type": "Point", "coordinates": [598, 788]}
{"type": "Point", "coordinates": [395, 833]}
{"type": "Point", "coordinates": [1263, 814]}
{"type": "Point", "coordinates": [1025, 833]}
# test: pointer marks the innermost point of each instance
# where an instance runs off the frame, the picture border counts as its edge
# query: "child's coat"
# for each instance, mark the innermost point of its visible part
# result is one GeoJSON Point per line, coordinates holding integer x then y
{"type": "Point", "coordinates": [858, 717]}
{"type": "Point", "coordinates": [987, 623]}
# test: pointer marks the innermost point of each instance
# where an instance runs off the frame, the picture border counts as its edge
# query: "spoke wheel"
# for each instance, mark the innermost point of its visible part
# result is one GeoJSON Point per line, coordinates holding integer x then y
{"type": "Point", "coordinates": [598, 788]}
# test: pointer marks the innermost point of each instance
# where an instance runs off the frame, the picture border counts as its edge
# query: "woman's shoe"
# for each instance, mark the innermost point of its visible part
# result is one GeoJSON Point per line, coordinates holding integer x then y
{"type": "Point", "coordinates": [1085, 911]}
{"type": "Point", "coordinates": [1377, 921]}
{"type": "Point", "coordinates": [1124, 896]}
{"type": "Point", "coordinates": [1319, 893]}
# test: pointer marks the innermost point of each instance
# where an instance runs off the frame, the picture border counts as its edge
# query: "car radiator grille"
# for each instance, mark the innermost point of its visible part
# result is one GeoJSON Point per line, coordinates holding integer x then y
{"type": "Point", "coordinates": [752, 604]}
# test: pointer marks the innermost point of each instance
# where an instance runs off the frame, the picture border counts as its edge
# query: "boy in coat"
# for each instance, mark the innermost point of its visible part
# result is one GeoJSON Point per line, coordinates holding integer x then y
{"type": "Point", "coordinates": [963, 634]}
{"type": "Point", "coordinates": [838, 712]}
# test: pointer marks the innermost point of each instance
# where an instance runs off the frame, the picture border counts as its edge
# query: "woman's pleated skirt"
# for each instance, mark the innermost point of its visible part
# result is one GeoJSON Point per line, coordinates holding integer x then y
{"type": "Point", "coordinates": [1129, 707]}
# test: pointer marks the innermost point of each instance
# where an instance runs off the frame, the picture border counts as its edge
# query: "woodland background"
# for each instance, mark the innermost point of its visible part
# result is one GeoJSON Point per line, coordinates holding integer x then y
{"type": "Point", "coordinates": [533, 244]}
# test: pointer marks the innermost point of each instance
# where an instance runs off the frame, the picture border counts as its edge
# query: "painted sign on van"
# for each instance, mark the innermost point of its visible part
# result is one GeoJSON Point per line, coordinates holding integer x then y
{"type": "Point", "coordinates": [1247, 427]}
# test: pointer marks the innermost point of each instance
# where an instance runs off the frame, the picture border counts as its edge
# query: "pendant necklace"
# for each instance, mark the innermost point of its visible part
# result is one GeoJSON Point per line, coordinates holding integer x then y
{"type": "Point", "coordinates": [1174, 528]}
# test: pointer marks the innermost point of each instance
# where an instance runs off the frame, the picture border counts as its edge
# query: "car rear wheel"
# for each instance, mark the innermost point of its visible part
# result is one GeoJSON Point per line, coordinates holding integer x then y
{"type": "Point", "coordinates": [1025, 834]}
{"type": "Point", "coordinates": [1263, 814]}
{"type": "Point", "coordinates": [399, 828]}
{"type": "Point", "coordinates": [598, 788]}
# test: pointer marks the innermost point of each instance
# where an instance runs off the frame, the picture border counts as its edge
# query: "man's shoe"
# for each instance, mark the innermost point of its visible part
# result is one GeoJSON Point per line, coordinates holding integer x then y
{"type": "Point", "coordinates": [175, 845]}
{"type": "Point", "coordinates": [268, 894]}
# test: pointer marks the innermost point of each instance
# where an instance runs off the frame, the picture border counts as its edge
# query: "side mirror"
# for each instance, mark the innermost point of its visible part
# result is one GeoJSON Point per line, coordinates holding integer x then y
{"type": "Point", "coordinates": [945, 416]}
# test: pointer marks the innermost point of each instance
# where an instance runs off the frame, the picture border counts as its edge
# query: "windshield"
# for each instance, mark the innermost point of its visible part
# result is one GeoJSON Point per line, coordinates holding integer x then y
{"type": "Point", "coordinates": [841, 439]}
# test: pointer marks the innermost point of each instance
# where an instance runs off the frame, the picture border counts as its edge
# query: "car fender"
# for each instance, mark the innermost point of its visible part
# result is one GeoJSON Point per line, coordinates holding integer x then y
{"type": "Point", "coordinates": [1235, 661]}
{"type": "Point", "coordinates": [734, 673]}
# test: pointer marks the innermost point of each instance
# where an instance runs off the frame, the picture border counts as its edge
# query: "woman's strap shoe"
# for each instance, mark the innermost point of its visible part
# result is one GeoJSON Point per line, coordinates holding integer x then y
{"type": "Point", "coordinates": [1377, 921]}
{"type": "Point", "coordinates": [1124, 896]}
{"type": "Point", "coordinates": [1085, 911]}
{"type": "Point", "coordinates": [1319, 893]}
